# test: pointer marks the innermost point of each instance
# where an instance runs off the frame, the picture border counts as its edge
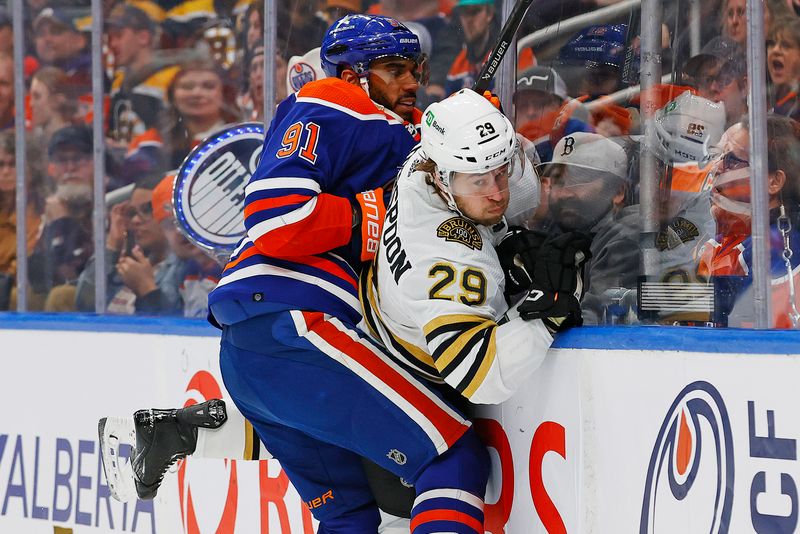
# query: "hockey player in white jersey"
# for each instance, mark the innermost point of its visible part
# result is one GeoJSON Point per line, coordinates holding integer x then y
{"type": "Point", "coordinates": [435, 293]}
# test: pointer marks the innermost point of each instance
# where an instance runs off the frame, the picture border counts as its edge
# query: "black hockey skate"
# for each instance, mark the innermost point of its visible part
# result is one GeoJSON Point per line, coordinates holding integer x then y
{"type": "Point", "coordinates": [165, 436]}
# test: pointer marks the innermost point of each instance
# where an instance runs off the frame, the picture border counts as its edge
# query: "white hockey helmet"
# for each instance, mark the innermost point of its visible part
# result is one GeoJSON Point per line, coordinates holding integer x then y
{"type": "Point", "coordinates": [465, 133]}
{"type": "Point", "coordinates": [688, 129]}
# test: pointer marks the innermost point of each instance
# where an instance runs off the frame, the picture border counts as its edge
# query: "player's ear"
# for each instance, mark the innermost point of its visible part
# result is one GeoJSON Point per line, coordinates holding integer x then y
{"type": "Point", "coordinates": [349, 76]}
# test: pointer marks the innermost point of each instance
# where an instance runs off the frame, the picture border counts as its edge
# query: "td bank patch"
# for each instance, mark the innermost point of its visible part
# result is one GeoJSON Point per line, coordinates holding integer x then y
{"type": "Point", "coordinates": [461, 231]}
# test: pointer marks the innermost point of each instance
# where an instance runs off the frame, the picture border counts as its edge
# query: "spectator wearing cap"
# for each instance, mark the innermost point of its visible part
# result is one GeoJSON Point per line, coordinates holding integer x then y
{"type": "Point", "coordinates": [66, 241]}
{"type": "Point", "coordinates": [143, 273]}
{"type": "Point", "coordinates": [540, 94]}
{"type": "Point", "coordinates": [303, 69]}
{"type": "Point", "coordinates": [783, 65]}
{"type": "Point", "coordinates": [141, 75]}
{"type": "Point", "coordinates": [589, 186]}
{"type": "Point", "coordinates": [544, 111]}
{"type": "Point", "coordinates": [59, 42]}
{"type": "Point", "coordinates": [480, 26]}
{"type": "Point", "coordinates": [719, 73]}
{"type": "Point", "coordinates": [201, 272]}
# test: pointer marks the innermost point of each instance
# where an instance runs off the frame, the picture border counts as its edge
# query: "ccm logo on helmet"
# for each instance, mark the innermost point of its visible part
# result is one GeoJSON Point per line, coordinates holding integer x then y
{"type": "Point", "coordinates": [496, 154]}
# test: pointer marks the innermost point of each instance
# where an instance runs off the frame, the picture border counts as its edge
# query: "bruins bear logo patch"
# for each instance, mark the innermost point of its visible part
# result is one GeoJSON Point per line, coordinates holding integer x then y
{"type": "Point", "coordinates": [461, 231]}
{"type": "Point", "coordinates": [679, 231]}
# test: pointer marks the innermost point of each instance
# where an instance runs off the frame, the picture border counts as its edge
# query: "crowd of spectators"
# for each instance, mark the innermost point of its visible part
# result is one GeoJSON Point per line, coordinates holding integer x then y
{"type": "Point", "coordinates": [176, 71]}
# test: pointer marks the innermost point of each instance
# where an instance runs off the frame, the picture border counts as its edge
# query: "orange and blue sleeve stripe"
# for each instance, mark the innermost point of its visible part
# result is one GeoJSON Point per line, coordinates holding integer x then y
{"type": "Point", "coordinates": [288, 217]}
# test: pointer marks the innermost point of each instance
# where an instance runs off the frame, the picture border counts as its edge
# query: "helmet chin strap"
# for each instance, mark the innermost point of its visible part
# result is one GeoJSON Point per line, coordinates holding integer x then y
{"type": "Point", "coordinates": [363, 80]}
{"type": "Point", "coordinates": [445, 192]}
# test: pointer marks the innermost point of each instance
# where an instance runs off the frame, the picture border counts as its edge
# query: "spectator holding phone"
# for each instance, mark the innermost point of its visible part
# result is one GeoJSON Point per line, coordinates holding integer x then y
{"type": "Point", "coordinates": [143, 273]}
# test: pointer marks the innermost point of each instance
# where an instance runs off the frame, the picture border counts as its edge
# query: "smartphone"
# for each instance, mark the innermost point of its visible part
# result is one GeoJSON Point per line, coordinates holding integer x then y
{"type": "Point", "coordinates": [130, 242]}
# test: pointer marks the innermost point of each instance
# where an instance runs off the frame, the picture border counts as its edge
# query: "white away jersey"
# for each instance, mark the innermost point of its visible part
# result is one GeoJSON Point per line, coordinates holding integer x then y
{"type": "Point", "coordinates": [434, 297]}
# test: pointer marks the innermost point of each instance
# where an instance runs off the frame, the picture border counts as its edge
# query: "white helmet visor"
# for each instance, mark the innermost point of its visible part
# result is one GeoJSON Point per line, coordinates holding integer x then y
{"type": "Point", "coordinates": [488, 183]}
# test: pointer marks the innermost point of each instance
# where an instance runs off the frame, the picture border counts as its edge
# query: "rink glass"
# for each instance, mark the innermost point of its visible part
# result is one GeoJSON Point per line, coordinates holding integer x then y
{"type": "Point", "coordinates": [652, 229]}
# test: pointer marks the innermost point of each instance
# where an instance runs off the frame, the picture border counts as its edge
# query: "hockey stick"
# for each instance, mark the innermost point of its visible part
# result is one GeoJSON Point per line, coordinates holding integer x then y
{"type": "Point", "coordinates": [501, 46]}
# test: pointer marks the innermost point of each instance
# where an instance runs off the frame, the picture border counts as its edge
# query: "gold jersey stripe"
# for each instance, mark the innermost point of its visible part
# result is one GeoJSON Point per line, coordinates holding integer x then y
{"type": "Point", "coordinates": [448, 321]}
{"type": "Point", "coordinates": [455, 345]}
{"type": "Point", "coordinates": [408, 350]}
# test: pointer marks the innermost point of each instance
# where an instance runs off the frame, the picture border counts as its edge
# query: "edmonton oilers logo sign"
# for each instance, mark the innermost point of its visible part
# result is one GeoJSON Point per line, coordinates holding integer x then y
{"type": "Point", "coordinates": [209, 189]}
{"type": "Point", "coordinates": [691, 467]}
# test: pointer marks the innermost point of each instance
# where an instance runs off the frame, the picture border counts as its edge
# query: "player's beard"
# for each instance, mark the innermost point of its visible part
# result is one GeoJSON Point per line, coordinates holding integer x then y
{"type": "Point", "coordinates": [383, 99]}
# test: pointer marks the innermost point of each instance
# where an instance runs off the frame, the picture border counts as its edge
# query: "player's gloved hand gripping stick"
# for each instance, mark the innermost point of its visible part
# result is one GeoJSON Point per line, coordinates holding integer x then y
{"type": "Point", "coordinates": [550, 270]}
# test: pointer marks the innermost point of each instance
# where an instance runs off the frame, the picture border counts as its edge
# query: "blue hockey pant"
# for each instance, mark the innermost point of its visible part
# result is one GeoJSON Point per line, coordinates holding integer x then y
{"type": "Point", "coordinates": [321, 395]}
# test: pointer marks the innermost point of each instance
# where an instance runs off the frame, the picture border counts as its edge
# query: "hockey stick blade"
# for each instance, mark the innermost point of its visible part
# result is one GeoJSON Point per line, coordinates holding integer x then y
{"type": "Point", "coordinates": [501, 46]}
{"type": "Point", "coordinates": [115, 433]}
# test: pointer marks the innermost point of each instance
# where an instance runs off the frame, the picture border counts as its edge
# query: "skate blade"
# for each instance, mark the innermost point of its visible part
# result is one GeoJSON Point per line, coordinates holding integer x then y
{"type": "Point", "coordinates": [115, 432]}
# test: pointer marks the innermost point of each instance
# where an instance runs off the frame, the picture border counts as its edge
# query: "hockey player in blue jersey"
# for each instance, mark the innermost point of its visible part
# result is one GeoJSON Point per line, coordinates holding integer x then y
{"type": "Point", "coordinates": [319, 392]}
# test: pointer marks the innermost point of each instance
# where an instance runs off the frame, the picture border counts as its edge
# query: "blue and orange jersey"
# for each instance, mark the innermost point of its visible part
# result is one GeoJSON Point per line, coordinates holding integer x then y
{"type": "Point", "coordinates": [729, 261]}
{"type": "Point", "coordinates": [327, 143]}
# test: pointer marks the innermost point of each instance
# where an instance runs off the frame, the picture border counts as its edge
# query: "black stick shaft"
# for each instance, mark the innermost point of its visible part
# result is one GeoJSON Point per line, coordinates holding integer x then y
{"type": "Point", "coordinates": [501, 46]}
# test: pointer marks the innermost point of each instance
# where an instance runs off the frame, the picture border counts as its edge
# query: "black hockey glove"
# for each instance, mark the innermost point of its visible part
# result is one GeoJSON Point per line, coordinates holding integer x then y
{"type": "Point", "coordinates": [559, 263]}
{"type": "Point", "coordinates": [517, 252]}
{"type": "Point", "coordinates": [557, 310]}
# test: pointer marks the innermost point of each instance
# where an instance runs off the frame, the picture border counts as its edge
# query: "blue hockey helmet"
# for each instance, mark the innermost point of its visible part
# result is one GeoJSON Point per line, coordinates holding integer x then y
{"type": "Point", "coordinates": [356, 40]}
{"type": "Point", "coordinates": [603, 44]}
